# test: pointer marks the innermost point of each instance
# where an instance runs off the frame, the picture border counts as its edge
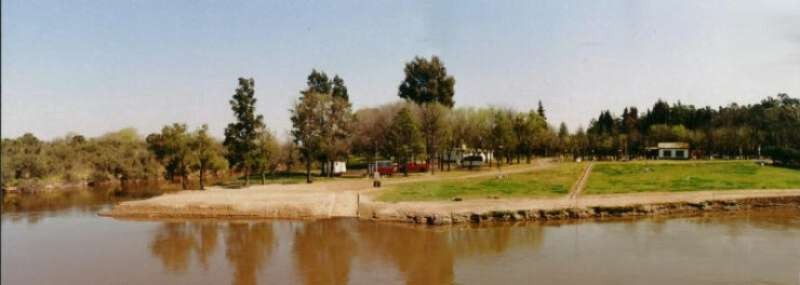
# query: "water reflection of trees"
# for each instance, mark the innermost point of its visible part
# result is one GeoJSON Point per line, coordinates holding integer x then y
{"type": "Point", "coordinates": [80, 199]}
{"type": "Point", "coordinates": [248, 246]}
{"type": "Point", "coordinates": [474, 240]}
{"type": "Point", "coordinates": [426, 255]}
{"type": "Point", "coordinates": [423, 256]}
{"type": "Point", "coordinates": [208, 242]}
{"type": "Point", "coordinates": [173, 244]}
{"type": "Point", "coordinates": [323, 251]}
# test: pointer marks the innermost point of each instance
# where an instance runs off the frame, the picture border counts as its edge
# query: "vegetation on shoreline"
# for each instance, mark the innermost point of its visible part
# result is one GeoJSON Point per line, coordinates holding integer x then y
{"type": "Point", "coordinates": [552, 182]}
{"type": "Point", "coordinates": [736, 131]}
{"type": "Point", "coordinates": [609, 178]}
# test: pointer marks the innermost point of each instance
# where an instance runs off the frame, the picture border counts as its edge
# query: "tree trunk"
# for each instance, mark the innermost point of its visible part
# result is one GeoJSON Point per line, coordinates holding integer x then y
{"type": "Point", "coordinates": [202, 175]}
{"type": "Point", "coordinates": [183, 181]}
{"type": "Point", "coordinates": [263, 178]}
{"type": "Point", "coordinates": [405, 168]}
{"type": "Point", "coordinates": [246, 177]}
{"type": "Point", "coordinates": [449, 160]}
{"type": "Point", "coordinates": [308, 171]}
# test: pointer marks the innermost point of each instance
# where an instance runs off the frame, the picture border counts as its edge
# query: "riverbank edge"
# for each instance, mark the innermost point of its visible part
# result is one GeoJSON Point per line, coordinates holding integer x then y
{"type": "Point", "coordinates": [470, 211]}
{"type": "Point", "coordinates": [584, 212]}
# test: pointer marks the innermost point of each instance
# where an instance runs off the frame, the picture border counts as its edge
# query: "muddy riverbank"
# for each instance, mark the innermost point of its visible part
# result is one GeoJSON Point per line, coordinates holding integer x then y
{"type": "Point", "coordinates": [584, 208]}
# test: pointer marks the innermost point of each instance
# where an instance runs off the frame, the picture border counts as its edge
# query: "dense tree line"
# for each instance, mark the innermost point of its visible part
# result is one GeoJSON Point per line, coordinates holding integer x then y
{"type": "Point", "coordinates": [770, 127]}
{"type": "Point", "coordinates": [74, 159]}
{"type": "Point", "coordinates": [399, 131]}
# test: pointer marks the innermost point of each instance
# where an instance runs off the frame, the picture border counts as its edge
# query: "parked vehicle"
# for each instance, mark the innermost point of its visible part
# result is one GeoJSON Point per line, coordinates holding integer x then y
{"type": "Point", "coordinates": [337, 168]}
{"type": "Point", "coordinates": [472, 160]}
{"type": "Point", "coordinates": [385, 167]}
{"type": "Point", "coordinates": [414, 167]}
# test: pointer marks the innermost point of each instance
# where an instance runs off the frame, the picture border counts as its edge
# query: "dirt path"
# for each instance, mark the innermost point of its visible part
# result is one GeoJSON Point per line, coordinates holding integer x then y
{"type": "Point", "coordinates": [581, 183]}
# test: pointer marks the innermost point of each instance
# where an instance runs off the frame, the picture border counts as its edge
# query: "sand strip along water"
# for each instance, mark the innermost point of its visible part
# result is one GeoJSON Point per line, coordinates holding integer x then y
{"type": "Point", "coordinates": [292, 202]}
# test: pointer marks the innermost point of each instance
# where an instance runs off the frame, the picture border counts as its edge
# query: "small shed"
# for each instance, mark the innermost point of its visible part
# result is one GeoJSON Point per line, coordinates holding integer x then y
{"type": "Point", "coordinates": [671, 150]}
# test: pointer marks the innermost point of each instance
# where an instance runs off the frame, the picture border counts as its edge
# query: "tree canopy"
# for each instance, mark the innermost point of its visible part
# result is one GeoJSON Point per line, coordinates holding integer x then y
{"type": "Point", "coordinates": [241, 136]}
{"type": "Point", "coordinates": [427, 81]}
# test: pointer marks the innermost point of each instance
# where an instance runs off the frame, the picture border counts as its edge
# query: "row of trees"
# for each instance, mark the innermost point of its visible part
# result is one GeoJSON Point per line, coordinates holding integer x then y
{"type": "Point", "coordinates": [409, 131]}
{"type": "Point", "coordinates": [769, 127]}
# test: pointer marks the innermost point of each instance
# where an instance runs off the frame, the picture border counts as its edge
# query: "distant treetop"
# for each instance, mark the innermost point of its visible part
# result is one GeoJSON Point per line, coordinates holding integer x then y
{"type": "Point", "coordinates": [427, 81]}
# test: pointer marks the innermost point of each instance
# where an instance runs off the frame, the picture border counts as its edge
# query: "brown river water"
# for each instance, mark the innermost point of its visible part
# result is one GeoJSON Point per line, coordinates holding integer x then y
{"type": "Point", "coordinates": [61, 240]}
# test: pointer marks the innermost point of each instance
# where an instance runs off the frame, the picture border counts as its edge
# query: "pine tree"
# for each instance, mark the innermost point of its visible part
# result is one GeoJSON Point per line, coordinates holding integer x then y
{"type": "Point", "coordinates": [241, 136]}
{"type": "Point", "coordinates": [540, 111]}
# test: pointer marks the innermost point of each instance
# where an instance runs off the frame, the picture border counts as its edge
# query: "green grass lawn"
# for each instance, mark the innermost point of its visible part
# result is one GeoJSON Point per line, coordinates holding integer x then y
{"type": "Point", "coordinates": [688, 176]}
{"type": "Point", "coordinates": [542, 183]}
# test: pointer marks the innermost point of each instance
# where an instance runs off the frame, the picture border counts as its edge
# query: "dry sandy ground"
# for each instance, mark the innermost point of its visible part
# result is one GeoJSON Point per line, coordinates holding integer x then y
{"type": "Point", "coordinates": [353, 198]}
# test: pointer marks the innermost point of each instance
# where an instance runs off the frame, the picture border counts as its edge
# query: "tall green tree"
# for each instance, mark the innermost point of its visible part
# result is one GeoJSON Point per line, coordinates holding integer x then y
{"type": "Point", "coordinates": [208, 154]}
{"type": "Point", "coordinates": [269, 157]}
{"type": "Point", "coordinates": [307, 128]}
{"type": "Point", "coordinates": [404, 138]}
{"type": "Point", "coordinates": [427, 81]}
{"type": "Point", "coordinates": [502, 137]}
{"type": "Point", "coordinates": [563, 138]}
{"type": "Point", "coordinates": [433, 129]}
{"type": "Point", "coordinates": [335, 117]}
{"type": "Point", "coordinates": [241, 136]}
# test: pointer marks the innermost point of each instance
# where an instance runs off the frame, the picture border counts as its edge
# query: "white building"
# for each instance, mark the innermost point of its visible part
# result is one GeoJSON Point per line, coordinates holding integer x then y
{"type": "Point", "coordinates": [671, 150]}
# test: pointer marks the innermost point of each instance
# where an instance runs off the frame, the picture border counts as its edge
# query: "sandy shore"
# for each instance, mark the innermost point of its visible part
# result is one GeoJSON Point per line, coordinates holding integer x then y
{"type": "Point", "coordinates": [304, 201]}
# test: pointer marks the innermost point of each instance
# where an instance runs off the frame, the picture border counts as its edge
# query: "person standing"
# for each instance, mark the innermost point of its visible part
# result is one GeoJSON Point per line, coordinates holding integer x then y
{"type": "Point", "coordinates": [376, 179]}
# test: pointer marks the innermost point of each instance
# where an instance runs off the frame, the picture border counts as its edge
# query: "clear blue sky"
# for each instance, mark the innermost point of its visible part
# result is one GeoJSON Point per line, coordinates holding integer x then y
{"type": "Point", "coordinates": [96, 66]}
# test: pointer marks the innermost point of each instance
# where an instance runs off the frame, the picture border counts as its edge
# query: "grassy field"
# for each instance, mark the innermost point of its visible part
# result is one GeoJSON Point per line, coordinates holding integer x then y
{"type": "Point", "coordinates": [542, 183]}
{"type": "Point", "coordinates": [688, 176]}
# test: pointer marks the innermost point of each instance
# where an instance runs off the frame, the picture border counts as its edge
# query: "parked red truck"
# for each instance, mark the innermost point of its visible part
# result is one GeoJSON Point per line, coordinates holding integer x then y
{"type": "Point", "coordinates": [388, 168]}
{"type": "Point", "coordinates": [414, 167]}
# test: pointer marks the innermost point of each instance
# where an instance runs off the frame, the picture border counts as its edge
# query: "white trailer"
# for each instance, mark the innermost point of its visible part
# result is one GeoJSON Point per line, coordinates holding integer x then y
{"type": "Point", "coordinates": [338, 167]}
